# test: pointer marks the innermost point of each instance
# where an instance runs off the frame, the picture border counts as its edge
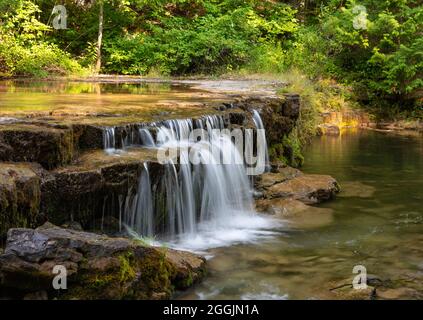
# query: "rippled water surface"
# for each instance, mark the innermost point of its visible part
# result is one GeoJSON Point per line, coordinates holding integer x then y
{"type": "Point", "coordinates": [377, 221]}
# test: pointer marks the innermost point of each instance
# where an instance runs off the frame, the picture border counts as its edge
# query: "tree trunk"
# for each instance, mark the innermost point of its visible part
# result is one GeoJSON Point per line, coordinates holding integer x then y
{"type": "Point", "coordinates": [100, 35]}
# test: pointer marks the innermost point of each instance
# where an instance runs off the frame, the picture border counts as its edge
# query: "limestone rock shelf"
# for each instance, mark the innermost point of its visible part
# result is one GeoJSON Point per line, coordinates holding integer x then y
{"type": "Point", "coordinates": [53, 167]}
{"type": "Point", "coordinates": [98, 267]}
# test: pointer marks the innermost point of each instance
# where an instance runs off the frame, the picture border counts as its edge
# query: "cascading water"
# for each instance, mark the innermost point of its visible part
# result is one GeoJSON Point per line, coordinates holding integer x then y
{"type": "Point", "coordinates": [198, 200]}
{"type": "Point", "coordinates": [261, 140]}
{"type": "Point", "coordinates": [109, 139]}
{"type": "Point", "coordinates": [143, 217]}
{"type": "Point", "coordinates": [146, 138]}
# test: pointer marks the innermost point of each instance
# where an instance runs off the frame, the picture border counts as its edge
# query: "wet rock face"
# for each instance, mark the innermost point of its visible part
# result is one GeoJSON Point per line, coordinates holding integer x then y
{"type": "Point", "coordinates": [94, 196]}
{"type": "Point", "coordinates": [279, 115]}
{"type": "Point", "coordinates": [49, 145]}
{"type": "Point", "coordinates": [20, 195]}
{"type": "Point", "coordinates": [98, 267]}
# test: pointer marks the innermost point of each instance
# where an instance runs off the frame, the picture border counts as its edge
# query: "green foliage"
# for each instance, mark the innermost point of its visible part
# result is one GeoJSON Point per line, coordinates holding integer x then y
{"type": "Point", "coordinates": [317, 96]}
{"type": "Point", "coordinates": [293, 149]}
{"type": "Point", "coordinates": [38, 60]}
{"type": "Point", "coordinates": [212, 38]}
{"type": "Point", "coordinates": [23, 51]}
{"type": "Point", "coordinates": [384, 60]}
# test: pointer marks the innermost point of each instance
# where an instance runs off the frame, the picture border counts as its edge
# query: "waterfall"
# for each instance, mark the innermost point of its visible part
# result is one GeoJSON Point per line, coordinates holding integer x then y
{"type": "Point", "coordinates": [196, 195]}
{"type": "Point", "coordinates": [207, 191]}
{"type": "Point", "coordinates": [261, 141]}
{"type": "Point", "coordinates": [143, 218]}
{"type": "Point", "coordinates": [146, 138]}
{"type": "Point", "coordinates": [109, 139]}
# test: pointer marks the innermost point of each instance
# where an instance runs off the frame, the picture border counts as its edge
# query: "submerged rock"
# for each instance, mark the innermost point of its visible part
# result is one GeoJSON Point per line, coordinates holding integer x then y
{"type": "Point", "coordinates": [296, 213]}
{"type": "Point", "coordinates": [347, 292]}
{"type": "Point", "coordinates": [98, 267]}
{"type": "Point", "coordinates": [356, 189]}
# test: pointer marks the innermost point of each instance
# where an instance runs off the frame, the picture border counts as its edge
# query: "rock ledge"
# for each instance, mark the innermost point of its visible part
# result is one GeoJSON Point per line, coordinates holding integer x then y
{"type": "Point", "coordinates": [98, 267]}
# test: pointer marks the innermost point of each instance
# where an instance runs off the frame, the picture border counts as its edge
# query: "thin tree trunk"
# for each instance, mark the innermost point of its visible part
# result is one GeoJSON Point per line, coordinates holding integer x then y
{"type": "Point", "coordinates": [100, 35]}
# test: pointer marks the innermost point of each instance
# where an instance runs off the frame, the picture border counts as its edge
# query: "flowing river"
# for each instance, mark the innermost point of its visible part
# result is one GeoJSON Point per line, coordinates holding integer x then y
{"type": "Point", "coordinates": [376, 221]}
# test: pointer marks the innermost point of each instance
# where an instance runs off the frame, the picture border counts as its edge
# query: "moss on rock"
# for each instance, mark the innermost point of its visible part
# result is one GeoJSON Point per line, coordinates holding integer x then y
{"type": "Point", "coordinates": [99, 267]}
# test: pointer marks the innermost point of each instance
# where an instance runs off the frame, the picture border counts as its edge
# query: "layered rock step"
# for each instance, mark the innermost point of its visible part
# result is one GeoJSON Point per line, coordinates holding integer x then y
{"type": "Point", "coordinates": [96, 266]}
{"type": "Point", "coordinates": [54, 168]}
{"type": "Point", "coordinates": [30, 195]}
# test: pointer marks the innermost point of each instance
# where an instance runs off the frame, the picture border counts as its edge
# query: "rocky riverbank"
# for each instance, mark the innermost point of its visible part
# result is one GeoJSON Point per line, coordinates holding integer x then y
{"type": "Point", "coordinates": [333, 122]}
{"type": "Point", "coordinates": [60, 173]}
{"type": "Point", "coordinates": [54, 172]}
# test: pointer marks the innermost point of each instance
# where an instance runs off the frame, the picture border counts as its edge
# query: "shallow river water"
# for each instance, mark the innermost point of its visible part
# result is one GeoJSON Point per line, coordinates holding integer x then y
{"type": "Point", "coordinates": [376, 221]}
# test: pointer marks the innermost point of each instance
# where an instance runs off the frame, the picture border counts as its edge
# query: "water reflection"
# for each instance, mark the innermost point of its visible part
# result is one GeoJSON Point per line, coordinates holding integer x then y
{"type": "Point", "coordinates": [26, 98]}
{"type": "Point", "coordinates": [80, 87]}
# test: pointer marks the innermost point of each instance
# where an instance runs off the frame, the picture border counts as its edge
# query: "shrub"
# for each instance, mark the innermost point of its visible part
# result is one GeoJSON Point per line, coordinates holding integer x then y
{"type": "Point", "coordinates": [23, 51]}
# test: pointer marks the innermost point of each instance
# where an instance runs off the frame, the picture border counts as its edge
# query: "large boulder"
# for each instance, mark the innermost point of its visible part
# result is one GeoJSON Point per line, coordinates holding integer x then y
{"type": "Point", "coordinates": [287, 193]}
{"type": "Point", "coordinates": [290, 183]}
{"type": "Point", "coordinates": [98, 267]}
{"type": "Point", "coordinates": [310, 188]}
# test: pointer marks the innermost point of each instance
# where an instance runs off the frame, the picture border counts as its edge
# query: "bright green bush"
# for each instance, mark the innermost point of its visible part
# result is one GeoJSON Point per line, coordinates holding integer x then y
{"type": "Point", "coordinates": [220, 38]}
{"type": "Point", "coordinates": [384, 60]}
{"type": "Point", "coordinates": [23, 50]}
{"type": "Point", "coordinates": [381, 62]}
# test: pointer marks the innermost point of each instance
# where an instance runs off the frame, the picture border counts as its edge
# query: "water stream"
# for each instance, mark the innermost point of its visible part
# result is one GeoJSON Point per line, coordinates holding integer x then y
{"type": "Point", "coordinates": [208, 201]}
{"type": "Point", "coordinates": [377, 221]}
